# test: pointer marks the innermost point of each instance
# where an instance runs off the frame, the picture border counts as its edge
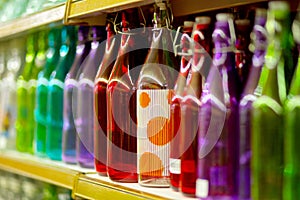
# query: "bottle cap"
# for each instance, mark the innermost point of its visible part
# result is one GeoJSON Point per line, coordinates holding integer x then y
{"type": "Point", "coordinates": [296, 28]}
{"type": "Point", "coordinates": [188, 24]}
{"type": "Point", "coordinates": [242, 22]}
{"type": "Point", "coordinates": [261, 12]}
{"type": "Point", "coordinates": [203, 20]}
{"type": "Point", "coordinates": [224, 16]}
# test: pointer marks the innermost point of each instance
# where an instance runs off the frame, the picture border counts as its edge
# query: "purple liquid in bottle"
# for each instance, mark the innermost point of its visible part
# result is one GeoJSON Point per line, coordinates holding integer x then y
{"type": "Point", "coordinates": [85, 100]}
{"type": "Point", "coordinates": [218, 116]}
{"type": "Point", "coordinates": [259, 37]}
{"type": "Point", "coordinates": [69, 130]}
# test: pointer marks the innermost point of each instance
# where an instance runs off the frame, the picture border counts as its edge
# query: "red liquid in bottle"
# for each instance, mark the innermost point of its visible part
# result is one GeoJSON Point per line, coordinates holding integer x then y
{"type": "Point", "coordinates": [100, 101]}
{"type": "Point", "coordinates": [175, 111]}
{"type": "Point", "coordinates": [190, 106]}
{"type": "Point", "coordinates": [121, 102]}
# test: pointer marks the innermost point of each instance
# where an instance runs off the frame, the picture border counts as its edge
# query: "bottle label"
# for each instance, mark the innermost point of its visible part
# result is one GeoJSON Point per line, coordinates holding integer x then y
{"type": "Point", "coordinates": [154, 137]}
{"type": "Point", "coordinates": [175, 166]}
{"type": "Point", "coordinates": [32, 83]}
{"type": "Point", "coordinates": [202, 188]}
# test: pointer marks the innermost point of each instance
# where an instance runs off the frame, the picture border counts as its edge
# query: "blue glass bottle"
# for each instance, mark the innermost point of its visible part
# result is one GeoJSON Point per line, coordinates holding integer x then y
{"type": "Point", "coordinates": [69, 130]}
{"type": "Point", "coordinates": [40, 112]}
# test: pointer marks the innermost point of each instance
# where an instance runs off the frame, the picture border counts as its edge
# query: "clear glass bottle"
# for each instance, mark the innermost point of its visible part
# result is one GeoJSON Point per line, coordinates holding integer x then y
{"type": "Point", "coordinates": [258, 46]}
{"type": "Point", "coordinates": [156, 81]}
{"type": "Point", "coordinates": [55, 93]}
{"type": "Point", "coordinates": [84, 120]}
{"type": "Point", "coordinates": [175, 120]}
{"type": "Point", "coordinates": [190, 105]}
{"type": "Point", "coordinates": [14, 62]}
{"type": "Point", "coordinates": [291, 187]}
{"type": "Point", "coordinates": [121, 101]}
{"type": "Point", "coordinates": [23, 142]}
{"type": "Point", "coordinates": [40, 113]}
{"type": "Point", "coordinates": [218, 116]}
{"type": "Point", "coordinates": [69, 130]}
{"type": "Point", "coordinates": [267, 112]}
{"type": "Point", "coordinates": [100, 100]}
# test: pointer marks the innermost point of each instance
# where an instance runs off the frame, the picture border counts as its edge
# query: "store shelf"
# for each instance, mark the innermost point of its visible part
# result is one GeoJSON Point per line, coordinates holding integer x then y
{"type": "Point", "coordinates": [32, 21]}
{"type": "Point", "coordinates": [85, 183]}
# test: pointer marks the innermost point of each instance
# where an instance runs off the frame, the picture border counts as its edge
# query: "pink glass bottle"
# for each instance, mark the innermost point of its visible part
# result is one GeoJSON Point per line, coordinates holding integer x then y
{"type": "Point", "coordinates": [121, 101]}
{"type": "Point", "coordinates": [100, 101]}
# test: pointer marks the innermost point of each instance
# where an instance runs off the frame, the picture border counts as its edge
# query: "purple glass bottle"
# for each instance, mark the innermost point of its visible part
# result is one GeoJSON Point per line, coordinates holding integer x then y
{"type": "Point", "coordinates": [259, 45]}
{"type": "Point", "coordinates": [85, 99]}
{"type": "Point", "coordinates": [218, 116]}
{"type": "Point", "coordinates": [69, 130]}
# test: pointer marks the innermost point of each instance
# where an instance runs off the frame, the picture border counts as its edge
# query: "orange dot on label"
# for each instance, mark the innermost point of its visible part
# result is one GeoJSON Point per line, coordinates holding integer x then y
{"type": "Point", "coordinates": [170, 96]}
{"type": "Point", "coordinates": [144, 99]}
{"type": "Point", "coordinates": [150, 165]}
{"type": "Point", "coordinates": [158, 131]}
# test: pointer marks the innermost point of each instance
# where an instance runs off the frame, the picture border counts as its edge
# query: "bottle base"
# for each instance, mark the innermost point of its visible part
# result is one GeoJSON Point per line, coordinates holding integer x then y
{"type": "Point", "coordinates": [120, 176]}
{"type": "Point", "coordinates": [153, 181]}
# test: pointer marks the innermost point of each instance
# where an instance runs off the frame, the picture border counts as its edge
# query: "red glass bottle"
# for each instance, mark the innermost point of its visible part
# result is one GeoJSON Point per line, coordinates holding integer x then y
{"type": "Point", "coordinates": [175, 126]}
{"type": "Point", "coordinates": [121, 101]}
{"type": "Point", "coordinates": [100, 117]}
{"type": "Point", "coordinates": [191, 103]}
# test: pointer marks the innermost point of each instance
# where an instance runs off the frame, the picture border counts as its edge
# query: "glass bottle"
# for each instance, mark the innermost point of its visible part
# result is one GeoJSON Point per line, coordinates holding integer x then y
{"type": "Point", "coordinates": [39, 63]}
{"type": "Point", "coordinates": [85, 99]}
{"type": "Point", "coordinates": [55, 93]}
{"type": "Point", "coordinates": [175, 120]}
{"type": "Point", "coordinates": [2, 92]}
{"type": "Point", "coordinates": [156, 81]}
{"type": "Point", "coordinates": [69, 130]}
{"type": "Point", "coordinates": [258, 46]}
{"type": "Point", "coordinates": [190, 105]}
{"type": "Point", "coordinates": [101, 80]}
{"type": "Point", "coordinates": [291, 173]}
{"type": "Point", "coordinates": [23, 142]}
{"type": "Point", "coordinates": [40, 113]}
{"type": "Point", "coordinates": [218, 116]}
{"type": "Point", "coordinates": [242, 55]}
{"type": "Point", "coordinates": [121, 101]}
{"type": "Point", "coordinates": [14, 62]}
{"type": "Point", "coordinates": [267, 110]}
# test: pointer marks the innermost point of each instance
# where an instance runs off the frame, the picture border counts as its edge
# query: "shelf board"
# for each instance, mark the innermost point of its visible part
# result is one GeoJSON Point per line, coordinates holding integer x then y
{"type": "Point", "coordinates": [93, 12]}
{"type": "Point", "coordinates": [85, 183]}
{"type": "Point", "coordinates": [32, 21]}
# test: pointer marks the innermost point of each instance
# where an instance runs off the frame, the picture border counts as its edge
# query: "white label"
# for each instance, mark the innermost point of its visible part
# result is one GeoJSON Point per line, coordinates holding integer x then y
{"type": "Point", "coordinates": [202, 187]}
{"type": "Point", "coordinates": [153, 119]}
{"type": "Point", "coordinates": [175, 166]}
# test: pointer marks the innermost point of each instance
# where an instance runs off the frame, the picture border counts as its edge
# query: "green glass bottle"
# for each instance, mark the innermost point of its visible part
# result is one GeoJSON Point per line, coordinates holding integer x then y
{"type": "Point", "coordinates": [23, 141]}
{"type": "Point", "coordinates": [55, 93]}
{"type": "Point", "coordinates": [267, 110]}
{"type": "Point", "coordinates": [39, 62]}
{"type": "Point", "coordinates": [40, 113]}
{"type": "Point", "coordinates": [291, 187]}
